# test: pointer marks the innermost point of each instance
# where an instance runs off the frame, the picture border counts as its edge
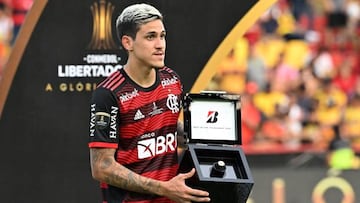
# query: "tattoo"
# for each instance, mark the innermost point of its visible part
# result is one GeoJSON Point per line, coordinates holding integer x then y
{"type": "Point", "coordinates": [94, 156]}
{"type": "Point", "coordinates": [117, 175]}
{"type": "Point", "coordinates": [106, 163]}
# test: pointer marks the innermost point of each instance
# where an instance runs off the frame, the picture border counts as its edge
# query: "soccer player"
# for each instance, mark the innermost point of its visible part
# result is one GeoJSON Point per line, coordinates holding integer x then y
{"type": "Point", "coordinates": [134, 119]}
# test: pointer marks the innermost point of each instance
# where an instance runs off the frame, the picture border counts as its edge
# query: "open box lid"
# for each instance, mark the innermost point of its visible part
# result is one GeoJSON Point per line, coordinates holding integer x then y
{"type": "Point", "coordinates": [212, 118]}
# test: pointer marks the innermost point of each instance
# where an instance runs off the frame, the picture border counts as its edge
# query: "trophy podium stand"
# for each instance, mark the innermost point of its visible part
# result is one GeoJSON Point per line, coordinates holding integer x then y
{"type": "Point", "coordinates": [211, 126]}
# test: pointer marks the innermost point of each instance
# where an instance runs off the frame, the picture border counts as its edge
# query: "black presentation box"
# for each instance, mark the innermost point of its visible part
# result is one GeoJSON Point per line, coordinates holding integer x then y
{"type": "Point", "coordinates": [212, 118]}
{"type": "Point", "coordinates": [211, 125]}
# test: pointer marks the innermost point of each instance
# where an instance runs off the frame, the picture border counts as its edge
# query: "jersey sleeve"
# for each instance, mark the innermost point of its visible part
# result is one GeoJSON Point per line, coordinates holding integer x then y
{"type": "Point", "coordinates": [104, 121]}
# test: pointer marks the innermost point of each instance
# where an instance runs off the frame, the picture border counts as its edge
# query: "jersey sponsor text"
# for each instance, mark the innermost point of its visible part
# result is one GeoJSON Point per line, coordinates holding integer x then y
{"type": "Point", "coordinates": [157, 145]}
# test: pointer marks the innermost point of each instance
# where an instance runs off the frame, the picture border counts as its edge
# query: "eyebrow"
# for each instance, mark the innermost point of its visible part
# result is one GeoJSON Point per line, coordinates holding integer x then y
{"type": "Point", "coordinates": [154, 32]}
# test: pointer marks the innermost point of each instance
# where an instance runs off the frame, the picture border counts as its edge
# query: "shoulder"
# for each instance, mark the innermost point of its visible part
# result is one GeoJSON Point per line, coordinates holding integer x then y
{"type": "Point", "coordinates": [101, 94]}
{"type": "Point", "coordinates": [106, 89]}
{"type": "Point", "coordinates": [169, 71]}
{"type": "Point", "coordinates": [113, 81]}
{"type": "Point", "coordinates": [169, 78]}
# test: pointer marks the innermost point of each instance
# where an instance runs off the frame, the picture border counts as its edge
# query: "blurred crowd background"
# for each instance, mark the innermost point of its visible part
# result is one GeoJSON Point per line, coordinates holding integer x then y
{"type": "Point", "coordinates": [12, 16]}
{"type": "Point", "coordinates": [297, 70]}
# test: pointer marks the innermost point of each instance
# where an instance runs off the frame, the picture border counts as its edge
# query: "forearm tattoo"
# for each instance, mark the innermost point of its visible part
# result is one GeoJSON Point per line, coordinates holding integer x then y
{"type": "Point", "coordinates": [117, 175]}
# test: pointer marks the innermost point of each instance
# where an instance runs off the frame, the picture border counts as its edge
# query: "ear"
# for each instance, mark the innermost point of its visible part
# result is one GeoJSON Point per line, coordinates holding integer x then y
{"type": "Point", "coordinates": [127, 42]}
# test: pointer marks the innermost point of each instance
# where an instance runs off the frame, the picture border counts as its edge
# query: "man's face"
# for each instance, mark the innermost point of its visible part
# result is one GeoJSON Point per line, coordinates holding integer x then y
{"type": "Point", "coordinates": [149, 46]}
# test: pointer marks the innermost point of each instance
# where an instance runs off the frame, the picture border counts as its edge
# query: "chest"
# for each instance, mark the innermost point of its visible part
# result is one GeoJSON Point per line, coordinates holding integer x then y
{"type": "Point", "coordinates": [149, 107]}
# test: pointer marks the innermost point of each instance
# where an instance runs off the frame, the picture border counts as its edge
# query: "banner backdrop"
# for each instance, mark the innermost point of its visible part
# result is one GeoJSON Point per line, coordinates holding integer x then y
{"type": "Point", "coordinates": [64, 49]}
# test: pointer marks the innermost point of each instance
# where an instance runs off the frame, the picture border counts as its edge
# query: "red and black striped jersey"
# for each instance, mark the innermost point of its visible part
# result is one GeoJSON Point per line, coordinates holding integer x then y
{"type": "Point", "coordinates": [141, 123]}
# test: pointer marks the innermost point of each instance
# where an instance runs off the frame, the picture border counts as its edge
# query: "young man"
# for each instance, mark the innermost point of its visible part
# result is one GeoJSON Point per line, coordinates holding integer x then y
{"type": "Point", "coordinates": [134, 114]}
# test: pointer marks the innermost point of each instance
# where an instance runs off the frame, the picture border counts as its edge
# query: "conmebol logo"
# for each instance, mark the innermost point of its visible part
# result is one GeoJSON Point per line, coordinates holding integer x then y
{"type": "Point", "coordinates": [102, 38]}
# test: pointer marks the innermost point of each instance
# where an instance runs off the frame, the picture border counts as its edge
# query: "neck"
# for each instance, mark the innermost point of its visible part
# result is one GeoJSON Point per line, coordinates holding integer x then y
{"type": "Point", "coordinates": [143, 76]}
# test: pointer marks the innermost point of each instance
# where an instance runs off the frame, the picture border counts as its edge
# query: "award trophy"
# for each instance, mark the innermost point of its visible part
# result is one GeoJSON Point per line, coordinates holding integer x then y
{"type": "Point", "coordinates": [213, 132]}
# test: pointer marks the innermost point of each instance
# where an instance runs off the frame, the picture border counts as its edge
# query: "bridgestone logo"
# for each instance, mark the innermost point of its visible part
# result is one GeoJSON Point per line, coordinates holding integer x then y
{"type": "Point", "coordinates": [212, 117]}
{"type": "Point", "coordinates": [157, 145]}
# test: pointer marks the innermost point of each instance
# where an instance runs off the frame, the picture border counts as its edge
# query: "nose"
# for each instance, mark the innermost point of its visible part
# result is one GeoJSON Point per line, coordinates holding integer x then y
{"type": "Point", "coordinates": [160, 43]}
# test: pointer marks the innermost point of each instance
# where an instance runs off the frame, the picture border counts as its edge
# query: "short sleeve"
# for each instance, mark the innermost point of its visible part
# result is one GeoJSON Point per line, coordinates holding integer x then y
{"type": "Point", "coordinates": [104, 121]}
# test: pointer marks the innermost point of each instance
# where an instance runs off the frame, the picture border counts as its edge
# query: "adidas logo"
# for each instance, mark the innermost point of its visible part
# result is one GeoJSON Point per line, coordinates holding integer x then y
{"type": "Point", "coordinates": [138, 115]}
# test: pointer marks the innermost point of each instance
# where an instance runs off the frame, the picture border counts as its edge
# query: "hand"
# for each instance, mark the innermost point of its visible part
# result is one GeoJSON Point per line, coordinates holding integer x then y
{"type": "Point", "coordinates": [178, 191]}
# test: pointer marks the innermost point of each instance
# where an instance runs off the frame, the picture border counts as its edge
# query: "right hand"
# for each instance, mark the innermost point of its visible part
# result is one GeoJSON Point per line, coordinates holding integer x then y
{"type": "Point", "coordinates": [178, 191]}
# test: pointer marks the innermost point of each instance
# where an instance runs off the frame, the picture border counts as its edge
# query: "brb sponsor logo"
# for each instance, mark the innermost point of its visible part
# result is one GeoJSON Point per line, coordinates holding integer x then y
{"type": "Point", "coordinates": [156, 145]}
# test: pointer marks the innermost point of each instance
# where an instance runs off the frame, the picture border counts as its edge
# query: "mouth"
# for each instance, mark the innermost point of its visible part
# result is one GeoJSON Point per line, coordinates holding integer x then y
{"type": "Point", "coordinates": [159, 53]}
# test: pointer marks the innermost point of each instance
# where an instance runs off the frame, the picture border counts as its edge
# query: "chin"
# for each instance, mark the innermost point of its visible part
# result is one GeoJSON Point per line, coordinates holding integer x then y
{"type": "Point", "coordinates": [158, 65]}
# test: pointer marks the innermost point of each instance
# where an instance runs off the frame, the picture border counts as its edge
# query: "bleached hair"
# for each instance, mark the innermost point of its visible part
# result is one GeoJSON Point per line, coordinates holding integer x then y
{"type": "Point", "coordinates": [129, 21]}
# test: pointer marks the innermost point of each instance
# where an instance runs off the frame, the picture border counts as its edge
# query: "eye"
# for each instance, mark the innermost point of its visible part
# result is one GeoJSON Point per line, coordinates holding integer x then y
{"type": "Point", "coordinates": [150, 37]}
{"type": "Point", "coordinates": [163, 35]}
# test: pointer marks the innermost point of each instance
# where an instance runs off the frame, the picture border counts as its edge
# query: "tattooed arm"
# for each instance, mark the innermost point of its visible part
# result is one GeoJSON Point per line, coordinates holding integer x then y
{"type": "Point", "coordinates": [105, 169]}
{"type": "Point", "coordinates": [181, 140]}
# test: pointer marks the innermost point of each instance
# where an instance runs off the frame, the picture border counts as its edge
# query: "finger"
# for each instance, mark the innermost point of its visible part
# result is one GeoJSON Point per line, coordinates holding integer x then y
{"type": "Point", "coordinates": [194, 198]}
{"type": "Point", "coordinates": [200, 199]}
{"type": "Point", "coordinates": [198, 193]}
{"type": "Point", "coordinates": [189, 174]}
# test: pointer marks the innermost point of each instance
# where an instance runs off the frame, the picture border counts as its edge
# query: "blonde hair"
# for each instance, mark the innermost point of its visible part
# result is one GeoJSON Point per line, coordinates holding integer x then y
{"type": "Point", "coordinates": [133, 16]}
